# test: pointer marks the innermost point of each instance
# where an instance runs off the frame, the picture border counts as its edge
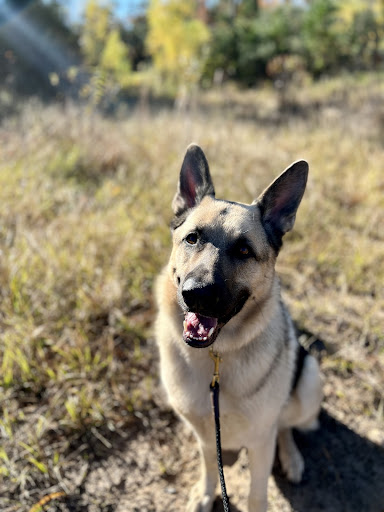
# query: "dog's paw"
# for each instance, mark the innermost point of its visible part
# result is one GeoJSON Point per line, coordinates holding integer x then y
{"type": "Point", "coordinates": [199, 501]}
{"type": "Point", "coordinates": [292, 463]}
{"type": "Point", "coordinates": [291, 459]}
{"type": "Point", "coordinates": [309, 426]}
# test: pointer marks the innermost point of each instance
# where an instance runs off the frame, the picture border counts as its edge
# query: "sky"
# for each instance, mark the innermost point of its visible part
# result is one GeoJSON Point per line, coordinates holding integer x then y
{"type": "Point", "coordinates": [124, 9]}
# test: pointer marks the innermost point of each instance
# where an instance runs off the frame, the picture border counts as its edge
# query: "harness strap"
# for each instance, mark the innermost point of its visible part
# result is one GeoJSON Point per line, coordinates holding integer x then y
{"type": "Point", "coordinates": [215, 388]}
{"type": "Point", "coordinates": [300, 359]}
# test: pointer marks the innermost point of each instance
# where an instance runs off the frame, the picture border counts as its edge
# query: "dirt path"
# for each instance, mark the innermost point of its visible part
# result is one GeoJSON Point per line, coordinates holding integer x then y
{"type": "Point", "coordinates": [155, 467]}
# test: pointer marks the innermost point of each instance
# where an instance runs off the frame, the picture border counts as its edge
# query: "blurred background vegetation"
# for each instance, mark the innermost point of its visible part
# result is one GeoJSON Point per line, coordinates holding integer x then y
{"type": "Point", "coordinates": [97, 107]}
{"type": "Point", "coordinates": [171, 47]}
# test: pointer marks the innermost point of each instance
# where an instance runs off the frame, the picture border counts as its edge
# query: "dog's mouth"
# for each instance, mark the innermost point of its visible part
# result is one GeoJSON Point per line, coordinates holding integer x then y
{"type": "Point", "coordinates": [200, 331]}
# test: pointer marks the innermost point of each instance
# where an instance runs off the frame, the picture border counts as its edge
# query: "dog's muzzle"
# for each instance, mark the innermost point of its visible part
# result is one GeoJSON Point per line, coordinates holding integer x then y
{"type": "Point", "coordinates": [202, 305]}
{"type": "Point", "coordinates": [207, 309]}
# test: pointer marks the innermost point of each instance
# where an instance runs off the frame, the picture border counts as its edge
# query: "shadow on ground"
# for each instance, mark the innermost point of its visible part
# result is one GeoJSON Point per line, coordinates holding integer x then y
{"type": "Point", "coordinates": [218, 506]}
{"type": "Point", "coordinates": [344, 471]}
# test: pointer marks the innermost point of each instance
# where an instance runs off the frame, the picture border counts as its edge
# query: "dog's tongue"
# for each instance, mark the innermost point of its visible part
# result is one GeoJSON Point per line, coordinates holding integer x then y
{"type": "Point", "coordinates": [199, 327]}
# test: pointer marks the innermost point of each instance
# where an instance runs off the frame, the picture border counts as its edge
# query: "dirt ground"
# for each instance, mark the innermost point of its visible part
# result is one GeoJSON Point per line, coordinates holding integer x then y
{"type": "Point", "coordinates": [153, 468]}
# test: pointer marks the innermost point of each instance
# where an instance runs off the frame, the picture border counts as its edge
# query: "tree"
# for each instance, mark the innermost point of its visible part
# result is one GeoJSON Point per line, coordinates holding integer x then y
{"type": "Point", "coordinates": [223, 55]}
{"type": "Point", "coordinates": [272, 33]}
{"type": "Point", "coordinates": [177, 41]}
{"type": "Point", "coordinates": [105, 53]}
{"type": "Point", "coordinates": [134, 36]}
{"type": "Point", "coordinates": [363, 25]}
{"type": "Point", "coordinates": [114, 58]}
{"type": "Point", "coordinates": [97, 25]}
{"type": "Point", "coordinates": [322, 38]}
{"type": "Point", "coordinates": [242, 46]}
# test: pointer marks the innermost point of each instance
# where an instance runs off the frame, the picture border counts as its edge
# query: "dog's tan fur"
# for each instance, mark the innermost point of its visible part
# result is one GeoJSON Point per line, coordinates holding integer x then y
{"type": "Point", "coordinates": [258, 344]}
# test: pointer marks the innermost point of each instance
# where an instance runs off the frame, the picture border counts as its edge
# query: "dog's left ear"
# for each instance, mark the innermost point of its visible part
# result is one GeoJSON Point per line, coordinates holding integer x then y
{"type": "Point", "coordinates": [279, 202]}
{"type": "Point", "coordinates": [195, 181]}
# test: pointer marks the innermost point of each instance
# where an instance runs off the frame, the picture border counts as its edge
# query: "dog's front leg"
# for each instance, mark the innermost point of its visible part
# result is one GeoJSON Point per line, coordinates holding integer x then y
{"type": "Point", "coordinates": [291, 459]}
{"type": "Point", "coordinates": [203, 492]}
{"type": "Point", "coordinates": [261, 456]}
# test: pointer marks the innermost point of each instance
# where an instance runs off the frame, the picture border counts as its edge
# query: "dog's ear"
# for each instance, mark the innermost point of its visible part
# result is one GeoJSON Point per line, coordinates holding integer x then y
{"type": "Point", "coordinates": [195, 181]}
{"type": "Point", "coordinates": [279, 202]}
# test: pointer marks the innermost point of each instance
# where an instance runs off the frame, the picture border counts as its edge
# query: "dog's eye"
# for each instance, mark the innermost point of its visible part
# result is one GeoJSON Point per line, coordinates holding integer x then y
{"type": "Point", "coordinates": [243, 250]}
{"type": "Point", "coordinates": [192, 238]}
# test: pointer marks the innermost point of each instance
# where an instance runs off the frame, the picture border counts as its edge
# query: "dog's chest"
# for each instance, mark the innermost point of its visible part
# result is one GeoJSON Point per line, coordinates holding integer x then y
{"type": "Point", "coordinates": [241, 413]}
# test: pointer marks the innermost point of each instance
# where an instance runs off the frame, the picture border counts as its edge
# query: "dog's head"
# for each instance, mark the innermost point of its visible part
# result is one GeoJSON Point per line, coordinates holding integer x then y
{"type": "Point", "coordinates": [224, 253]}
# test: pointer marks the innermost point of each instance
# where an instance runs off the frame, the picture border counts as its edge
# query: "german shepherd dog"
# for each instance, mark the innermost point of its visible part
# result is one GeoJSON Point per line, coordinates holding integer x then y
{"type": "Point", "coordinates": [220, 289]}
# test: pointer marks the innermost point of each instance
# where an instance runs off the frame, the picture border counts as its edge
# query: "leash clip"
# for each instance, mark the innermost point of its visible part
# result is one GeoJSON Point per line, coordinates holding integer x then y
{"type": "Point", "coordinates": [217, 360]}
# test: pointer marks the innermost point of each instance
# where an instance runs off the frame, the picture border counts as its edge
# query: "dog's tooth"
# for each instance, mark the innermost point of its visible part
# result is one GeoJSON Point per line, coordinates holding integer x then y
{"type": "Point", "coordinates": [211, 331]}
{"type": "Point", "coordinates": [185, 325]}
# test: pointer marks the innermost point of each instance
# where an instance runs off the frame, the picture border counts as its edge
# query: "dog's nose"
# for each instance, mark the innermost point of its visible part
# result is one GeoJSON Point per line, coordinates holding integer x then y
{"type": "Point", "coordinates": [202, 298]}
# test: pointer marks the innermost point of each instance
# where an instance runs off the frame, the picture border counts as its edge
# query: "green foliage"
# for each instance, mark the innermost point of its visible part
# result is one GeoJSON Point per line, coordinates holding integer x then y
{"type": "Point", "coordinates": [223, 51]}
{"type": "Point", "coordinates": [364, 35]}
{"type": "Point", "coordinates": [95, 30]}
{"type": "Point", "coordinates": [272, 33]}
{"type": "Point", "coordinates": [134, 37]}
{"type": "Point", "coordinates": [105, 53]}
{"type": "Point", "coordinates": [176, 40]}
{"type": "Point", "coordinates": [242, 47]}
{"type": "Point", "coordinates": [114, 57]}
{"type": "Point", "coordinates": [248, 8]}
{"type": "Point", "coordinates": [322, 39]}
{"type": "Point", "coordinates": [327, 35]}
{"type": "Point", "coordinates": [173, 46]}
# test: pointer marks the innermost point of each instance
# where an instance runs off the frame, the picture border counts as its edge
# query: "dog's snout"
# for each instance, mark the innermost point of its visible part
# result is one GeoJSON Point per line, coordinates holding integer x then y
{"type": "Point", "coordinates": [202, 298]}
{"type": "Point", "coordinates": [190, 284]}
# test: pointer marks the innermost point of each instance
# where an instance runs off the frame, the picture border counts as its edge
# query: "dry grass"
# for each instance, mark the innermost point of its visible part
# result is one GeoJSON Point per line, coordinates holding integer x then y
{"type": "Point", "coordinates": [84, 207]}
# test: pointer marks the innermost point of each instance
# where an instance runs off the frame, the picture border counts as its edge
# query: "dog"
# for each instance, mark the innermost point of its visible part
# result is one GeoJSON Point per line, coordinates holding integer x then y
{"type": "Point", "coordinates": [220, 290]}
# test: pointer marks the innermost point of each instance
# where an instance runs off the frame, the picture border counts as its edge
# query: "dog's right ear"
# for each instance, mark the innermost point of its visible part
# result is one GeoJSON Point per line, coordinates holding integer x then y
{"type": "Point", "coordinates": [279, 202]}
{"type": "Point", "coordinates": [195, 181]}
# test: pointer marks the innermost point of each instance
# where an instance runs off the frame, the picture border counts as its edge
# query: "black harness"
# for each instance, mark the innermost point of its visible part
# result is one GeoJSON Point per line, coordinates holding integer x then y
{"type": "Point", "coordinates": [300, 358]}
